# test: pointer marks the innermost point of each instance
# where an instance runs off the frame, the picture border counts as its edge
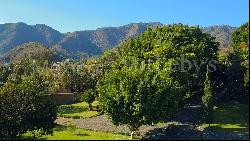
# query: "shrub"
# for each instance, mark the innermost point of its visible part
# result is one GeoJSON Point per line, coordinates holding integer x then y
{"type": "Point", "coordinates": [89, 97]}
{"type": "Point", "coordinates": [25, 107]}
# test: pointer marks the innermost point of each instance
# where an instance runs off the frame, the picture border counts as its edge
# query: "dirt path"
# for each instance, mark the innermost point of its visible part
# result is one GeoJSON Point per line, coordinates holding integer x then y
{"type": "Point", "coordinates": [102, 123]}
{"type": "Point", "coordinates": [182, 126]}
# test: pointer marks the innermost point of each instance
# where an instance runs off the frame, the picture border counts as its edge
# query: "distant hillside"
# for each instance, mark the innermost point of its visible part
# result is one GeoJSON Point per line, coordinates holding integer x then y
{"type": "Point", "coordinates": [222, 33]}
{"type": "Point", "coordinates": [36, 51]}
{"type": "Point", "coordinates": [15, 34]}
{"type": "Point", "coordinates": [91, 42]}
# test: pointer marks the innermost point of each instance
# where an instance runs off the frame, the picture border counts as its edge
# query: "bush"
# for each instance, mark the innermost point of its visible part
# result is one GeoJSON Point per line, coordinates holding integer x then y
{"type": "Point", "coordinates": [89, 97]}
{"type": "Point", "coordinates": [25, 107]}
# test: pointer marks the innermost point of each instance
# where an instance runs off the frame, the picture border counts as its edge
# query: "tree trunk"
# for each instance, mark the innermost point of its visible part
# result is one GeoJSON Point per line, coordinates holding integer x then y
{"type": "Point", "coordinates": [90, 107]}
{"type": "Point", "coordinates": [132, 133]}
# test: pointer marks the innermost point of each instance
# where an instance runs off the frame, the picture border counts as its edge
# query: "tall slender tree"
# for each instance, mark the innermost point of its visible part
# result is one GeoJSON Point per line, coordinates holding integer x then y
{"type": "Point", "coordinates": [208, 99]}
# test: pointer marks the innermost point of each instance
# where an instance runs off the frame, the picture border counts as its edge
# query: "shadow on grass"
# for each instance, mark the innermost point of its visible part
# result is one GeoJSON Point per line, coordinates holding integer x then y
{"type": "Point", "coordinates": [230, 122]}
{"type": "Point", "coordinates": [57, 128]}
{"type": "Point", "coordinates": [192, 114]}
{"type": "Point", "coordinates": [232, 113]}
{"type": "Point", "coordinates": [231, 117]}
{"type": "Point", "coordinates": [188, 132]}
{"type": "Point", "coordinates": [173, 132]}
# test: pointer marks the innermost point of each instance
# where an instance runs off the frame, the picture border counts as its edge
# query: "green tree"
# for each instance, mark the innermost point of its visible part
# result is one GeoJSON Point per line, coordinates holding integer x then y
{"type": "Point", "coordinates": [89, 97]}
{"type": "Point", "coordinates": [238, 68]}
{"type": "Point", "coordinates": [26, 107]}
{"type": "Point", "coordinates": [190, 48]}
{"type": "Point", "coordinates": [74, 77]}
{"type": "Point", "coordinates": [138, 95]}
{"type": "Point", "coordinates": [208, 99]}
{"type": "Point", "coordinates": [241, 35]}
{"type": "Point", "coordinates": [133, 96]}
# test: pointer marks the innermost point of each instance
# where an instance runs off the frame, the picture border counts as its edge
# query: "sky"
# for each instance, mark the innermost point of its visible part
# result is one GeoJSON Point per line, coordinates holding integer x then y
{"type": "Point", "coordinates": [73, 15]}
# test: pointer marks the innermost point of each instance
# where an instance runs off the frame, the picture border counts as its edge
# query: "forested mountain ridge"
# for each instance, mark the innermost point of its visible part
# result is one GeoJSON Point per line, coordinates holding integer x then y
{"type": "Point", "coordinates": [91, 42]}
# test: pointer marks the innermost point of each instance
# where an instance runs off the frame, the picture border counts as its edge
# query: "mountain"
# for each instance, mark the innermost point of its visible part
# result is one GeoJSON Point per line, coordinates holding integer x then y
{"type": "Point", "coordinates": [95, 41]}
{"type": "Point", "coordinates": [91, 42]}
{"type": "Point", "coordinates": [15, 34]}
{"type": "Point", "coordinates": [222, 34]}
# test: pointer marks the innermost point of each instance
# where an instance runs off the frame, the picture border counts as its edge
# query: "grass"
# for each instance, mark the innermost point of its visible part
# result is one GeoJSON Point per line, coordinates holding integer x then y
{"type": "Point", "coordinates": [230, 117]}
{"type": "Point", "coordinates": [73, 133]}
{"type": "Point", "coordinates": [77, 110]}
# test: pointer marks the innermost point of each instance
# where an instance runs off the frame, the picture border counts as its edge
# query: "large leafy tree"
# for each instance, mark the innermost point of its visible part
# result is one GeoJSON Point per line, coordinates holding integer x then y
{"type": "Point", "coordinates": [239, 62]}
{"type": "Point", "coordinates": [174, 56]}
{"type": "Point", "coordinates": [236, 64]}
{"type": "Point", "coordinates": [138, 95]}
{"type": "Point", "coordinates": [190, 48]}
{"type": "Point", "coordinates": [25, 106]}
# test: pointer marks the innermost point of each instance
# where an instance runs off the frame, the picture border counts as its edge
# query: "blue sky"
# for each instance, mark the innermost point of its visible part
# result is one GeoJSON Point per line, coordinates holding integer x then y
{"type": "Point", "coordinates": [72, 15]}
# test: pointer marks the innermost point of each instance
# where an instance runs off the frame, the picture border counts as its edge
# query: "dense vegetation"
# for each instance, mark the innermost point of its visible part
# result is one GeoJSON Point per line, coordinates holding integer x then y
{"type": "Point", "coordinates": [145, 80]}
{"type": "Point", "coordinates": [157, 68]}
{"type": "Point", "coordinates": [234, 65]}
{"type": "Point", "coordinates": [26, 107]}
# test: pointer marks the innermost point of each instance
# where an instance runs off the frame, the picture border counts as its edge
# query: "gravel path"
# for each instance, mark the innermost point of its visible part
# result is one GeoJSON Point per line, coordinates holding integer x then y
{"type": "Point", "coordinates": [102, 123]}
{"type": "Point", "coordinates": [182, 126]}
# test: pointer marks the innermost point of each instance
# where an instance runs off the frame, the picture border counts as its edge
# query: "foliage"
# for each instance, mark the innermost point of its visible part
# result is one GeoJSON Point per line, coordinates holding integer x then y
{"type": "Point", "coordinates": [208, 100]}
{"type": "Point", "coordinates": [5, 72]}
{"type": "Point", "coordinates": [241, 35]}
{"type": "Point", "coordinates": [241, 49]}
{"type": "Point", "coordinates": [137, 95]}
{"type": "Point", "coordinates": [72, 77]}
{"type": "Point", "coordinates": [236, 77]}
{"type": "Point", "coordinates": [25, 107]}
{"type": "Point", "coordinates": [89, 97]}
{"type": "Point", "coordinates": [238, 69]}
{"type": "Point", "coordinates": [189, 49]}
{"type": "Point", "coordinates": [163, 52]}
{"type": "Point", "coordinates": [232, 74]}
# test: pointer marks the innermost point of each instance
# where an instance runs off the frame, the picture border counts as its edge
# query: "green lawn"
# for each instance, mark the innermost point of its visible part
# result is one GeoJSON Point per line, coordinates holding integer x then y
{"type": "Point", "coordinates": [77, 110]}
{"type": "Point", "coordinates": [73, 133]}
{"type": "Point", "coordinates": [230, 117]}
